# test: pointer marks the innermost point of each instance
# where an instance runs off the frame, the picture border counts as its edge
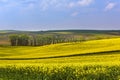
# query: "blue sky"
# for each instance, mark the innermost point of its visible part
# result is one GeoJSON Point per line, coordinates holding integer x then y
{"type": "Point", "coordinates": [59, 14]}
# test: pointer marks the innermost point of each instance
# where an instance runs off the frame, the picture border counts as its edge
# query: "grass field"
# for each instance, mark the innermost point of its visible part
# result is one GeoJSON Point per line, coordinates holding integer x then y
{"type": "Point", "coordinates": [89, 60]}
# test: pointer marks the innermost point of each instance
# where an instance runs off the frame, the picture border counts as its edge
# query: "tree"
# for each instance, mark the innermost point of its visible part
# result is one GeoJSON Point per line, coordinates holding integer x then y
{"type": "Point", "coordinates": [14, 39]}
{"type": "Point", "coordinates": [19, 40]}
{"type": "Point", "coordinates": [23, 40]}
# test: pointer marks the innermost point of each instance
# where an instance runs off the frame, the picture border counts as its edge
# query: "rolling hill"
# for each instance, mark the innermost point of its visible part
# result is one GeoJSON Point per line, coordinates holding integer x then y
{"type": "Point", "coordinates": [61, 50]}
{"type": "Point", "coordinates": [100, 46]}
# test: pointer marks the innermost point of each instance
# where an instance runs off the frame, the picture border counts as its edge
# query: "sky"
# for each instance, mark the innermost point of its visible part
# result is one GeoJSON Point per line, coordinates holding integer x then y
{"type": "Point", "coordinates": [59, 14]}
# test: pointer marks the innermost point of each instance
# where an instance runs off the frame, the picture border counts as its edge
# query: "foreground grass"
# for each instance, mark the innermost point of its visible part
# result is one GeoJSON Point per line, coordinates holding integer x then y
{"type": "Point", "coordinates": [63, 72]}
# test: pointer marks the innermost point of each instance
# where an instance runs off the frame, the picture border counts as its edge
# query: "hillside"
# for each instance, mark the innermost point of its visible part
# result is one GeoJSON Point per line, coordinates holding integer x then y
{"type": "Point", "coordinates": [61, 50]}
{"type": "Point", "coordinates": [114, 32]}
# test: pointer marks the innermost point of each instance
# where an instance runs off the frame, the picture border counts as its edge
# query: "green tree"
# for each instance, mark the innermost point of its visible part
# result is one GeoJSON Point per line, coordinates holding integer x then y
{"type": "Point", "coordinates": [23, 40]}
{"type": "Point", "coordinates": [14, 39]}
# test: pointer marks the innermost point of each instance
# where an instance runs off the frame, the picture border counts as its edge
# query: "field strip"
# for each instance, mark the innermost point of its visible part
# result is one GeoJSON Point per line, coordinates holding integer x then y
{"type": "Point", "coordinates": [52, 57]}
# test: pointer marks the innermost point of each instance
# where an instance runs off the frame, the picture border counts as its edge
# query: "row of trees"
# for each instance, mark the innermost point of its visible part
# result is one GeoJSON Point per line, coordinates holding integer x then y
{"type": "Point", "coordinates": [19, 40]}
{"type": "Point", "coordinates": [40, 40]}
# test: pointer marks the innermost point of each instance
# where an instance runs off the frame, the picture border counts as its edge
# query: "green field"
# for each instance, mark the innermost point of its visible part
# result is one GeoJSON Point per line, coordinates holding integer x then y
{"type": "Point", "coordinates": [88, 60]}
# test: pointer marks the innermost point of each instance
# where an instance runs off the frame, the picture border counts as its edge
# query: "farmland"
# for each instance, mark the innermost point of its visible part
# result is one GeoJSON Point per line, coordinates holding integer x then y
{"type": "Point", "coordinates": [93, 59]}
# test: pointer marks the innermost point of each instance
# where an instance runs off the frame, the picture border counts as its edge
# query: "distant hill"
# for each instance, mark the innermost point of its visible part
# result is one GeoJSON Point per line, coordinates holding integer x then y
{"type": "Point", "coordinates": [77, 34]}
{"type": "Point", "coordinates": [7, 31]}
{"type": "Point", "coordinates": [83, 31]}
{"type": "Point", "coordinates": [65, 31]}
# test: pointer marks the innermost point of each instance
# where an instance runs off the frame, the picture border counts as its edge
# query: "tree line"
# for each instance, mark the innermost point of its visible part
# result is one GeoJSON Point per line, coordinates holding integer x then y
{"type": "Point", "coordinates": [19, 40]}
{"type": "Point", "coordinates": [40, 40]}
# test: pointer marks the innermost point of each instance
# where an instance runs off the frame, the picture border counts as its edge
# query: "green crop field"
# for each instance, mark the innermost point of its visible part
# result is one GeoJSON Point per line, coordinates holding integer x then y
{"type": "Point", "coordinates": [88, 60]}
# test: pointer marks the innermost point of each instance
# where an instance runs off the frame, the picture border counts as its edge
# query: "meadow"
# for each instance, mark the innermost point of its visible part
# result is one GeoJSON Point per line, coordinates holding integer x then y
{"type": "Point", "coordinates": [88, 60]}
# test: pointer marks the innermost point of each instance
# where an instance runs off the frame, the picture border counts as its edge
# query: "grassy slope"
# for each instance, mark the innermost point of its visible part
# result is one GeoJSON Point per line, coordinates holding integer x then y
{"type": "Point", "coordinates": [65, 49]}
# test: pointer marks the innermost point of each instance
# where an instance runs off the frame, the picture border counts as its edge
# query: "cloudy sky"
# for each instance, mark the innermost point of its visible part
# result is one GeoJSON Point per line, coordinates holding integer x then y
{"type": "Point", "coordinates": [59, 14]}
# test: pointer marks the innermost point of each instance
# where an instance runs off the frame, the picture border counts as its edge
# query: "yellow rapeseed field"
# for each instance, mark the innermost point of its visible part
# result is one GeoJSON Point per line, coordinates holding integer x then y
{"type": "Point", "coordinates": [90, 60]}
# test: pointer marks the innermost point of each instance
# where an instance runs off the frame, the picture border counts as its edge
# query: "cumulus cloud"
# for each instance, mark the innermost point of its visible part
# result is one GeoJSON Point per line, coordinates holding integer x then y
{"type": "Point", "coordinates": [110, 6]}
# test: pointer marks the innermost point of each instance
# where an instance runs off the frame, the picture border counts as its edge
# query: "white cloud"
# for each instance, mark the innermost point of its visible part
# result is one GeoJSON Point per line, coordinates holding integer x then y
{"type": "Point", "coordinates": [80, 3]}
{"type": "Point", "coordinates": [45, 4]}
{"type": "Point", "coordinates": [84, 2]}
{"type": "Point", "coordinates": [110, 6]}
{"type": "Point", "coordinates": [74, 14]}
